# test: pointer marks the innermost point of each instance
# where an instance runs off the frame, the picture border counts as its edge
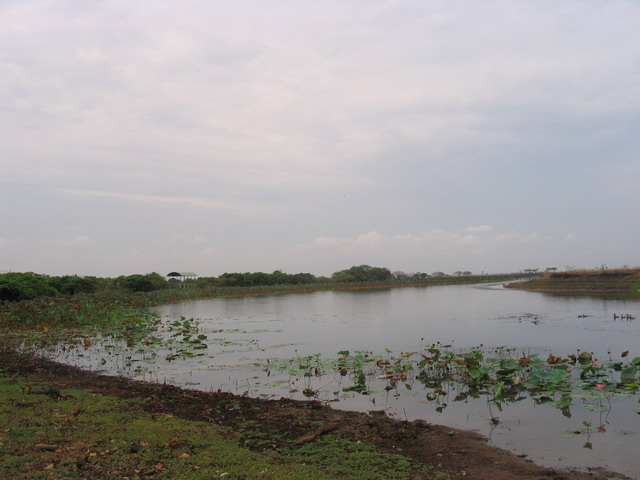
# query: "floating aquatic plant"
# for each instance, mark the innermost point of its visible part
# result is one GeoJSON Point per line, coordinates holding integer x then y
{"type": "Point", "coordinates": [500, 374]}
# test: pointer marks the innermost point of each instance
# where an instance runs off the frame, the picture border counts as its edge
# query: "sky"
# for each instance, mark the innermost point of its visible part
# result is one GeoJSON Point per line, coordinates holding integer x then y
{"type": "Point", "coordinates": [233, 136]}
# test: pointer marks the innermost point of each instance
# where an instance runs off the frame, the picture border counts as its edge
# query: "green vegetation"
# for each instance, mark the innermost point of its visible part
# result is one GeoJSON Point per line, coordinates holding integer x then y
{"type": "Point", "coordinates": [38, 310]}
{"type": "Point", "coordinates": [79, 434]}
{"type": "Point", "coordinates": [120, 309]}
{"type": "Point", "coordinates": [258, 279]}
{"type": "Point", "coordinates": [40, 303]}
{"type": "Point", "coordinates": [49, 433]}
{"type": "Point", "coordinates": [16, 286]}
{"type": "Point", "coordinates": [142, 283]}
{"type": "Point", "coordinates": [27, 286]}
{"type": "Point", "coordinates": [344, 457]}
{"type": "Point", "coordinates": [363, 273]}
{"type": "Point", "coordinates": [499, 375]}
{"type": "Point", "coordinates": [620, 280]}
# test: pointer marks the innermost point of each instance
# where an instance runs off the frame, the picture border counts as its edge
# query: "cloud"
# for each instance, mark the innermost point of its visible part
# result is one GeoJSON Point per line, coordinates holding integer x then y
{"type": "Point", "coordinates": [489, 250]}
{"type": "Point", "coordinates": [239, 92]}
{"type": "Point", "coordinates": [330, 242]}
{"type": "Point", "coordinates": [175, 252]}
{"type": "Point", "coordinates": [161, 199]}
{"type": "Point", "coordinates": [9, 242]}
{"type": "Point", "coordinates": [479, 229]}
{"type": "Point", "coordinates": [261, 128]}
{"type": "Point", "coordinates": [436, 239]}
{"type": "Point", "coordinates": [371, 239]}
{"type": "Point", "coordinates": [79, 243]}
{"type": "Point", "coordinates": [521, 238]}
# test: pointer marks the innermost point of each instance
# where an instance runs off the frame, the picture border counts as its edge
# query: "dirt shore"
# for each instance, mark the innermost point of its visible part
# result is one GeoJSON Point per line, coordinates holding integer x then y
{"type": "Point", "coordinates": [464, 454]}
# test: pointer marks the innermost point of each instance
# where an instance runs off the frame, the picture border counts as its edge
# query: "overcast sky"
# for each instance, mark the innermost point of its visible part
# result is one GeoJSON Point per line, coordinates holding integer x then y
{"type": "Point", "coordinates": [214, 136]}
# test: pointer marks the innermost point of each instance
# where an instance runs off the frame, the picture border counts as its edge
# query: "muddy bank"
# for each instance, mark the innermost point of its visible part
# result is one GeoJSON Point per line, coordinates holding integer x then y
{"type": "Point", "coordinates": [464, 454]}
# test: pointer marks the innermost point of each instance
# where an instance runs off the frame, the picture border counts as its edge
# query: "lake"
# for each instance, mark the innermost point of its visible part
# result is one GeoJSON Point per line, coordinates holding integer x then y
{"type": "Point", "coordinates": [246, 336]}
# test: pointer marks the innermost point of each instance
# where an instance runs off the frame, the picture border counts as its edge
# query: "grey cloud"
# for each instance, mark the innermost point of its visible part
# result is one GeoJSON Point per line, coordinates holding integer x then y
{"type": "Point", "coordinates": [289, 121]}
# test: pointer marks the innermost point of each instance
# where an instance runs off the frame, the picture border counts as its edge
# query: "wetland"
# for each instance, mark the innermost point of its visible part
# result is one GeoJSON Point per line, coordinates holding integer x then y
{"type": "Point", "coordinates": [449, 355]}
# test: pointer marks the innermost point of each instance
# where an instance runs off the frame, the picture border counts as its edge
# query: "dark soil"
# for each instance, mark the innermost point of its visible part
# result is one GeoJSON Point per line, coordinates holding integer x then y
{"type": "Point", "coordinates": [464, 454]}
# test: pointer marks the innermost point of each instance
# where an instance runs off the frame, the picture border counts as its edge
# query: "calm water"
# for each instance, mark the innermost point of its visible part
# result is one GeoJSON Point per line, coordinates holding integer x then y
{"type": "Point", "coordinates": [244, 332]}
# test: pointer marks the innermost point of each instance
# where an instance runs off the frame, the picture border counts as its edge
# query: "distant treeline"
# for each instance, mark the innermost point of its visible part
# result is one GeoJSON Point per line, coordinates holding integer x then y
{"type": "Point", "coordinates": [16, 286]}
{"type": "Point", "coordinates": [361, 273]}
{"type": "Point", "coordinates": [27, 286]}
{"type": "Point", "coordinates": [255, 279]}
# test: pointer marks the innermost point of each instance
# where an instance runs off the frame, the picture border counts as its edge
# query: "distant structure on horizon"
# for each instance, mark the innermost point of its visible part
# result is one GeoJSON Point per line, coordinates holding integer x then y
{"type": "Point", "coordinates": [181, 277]}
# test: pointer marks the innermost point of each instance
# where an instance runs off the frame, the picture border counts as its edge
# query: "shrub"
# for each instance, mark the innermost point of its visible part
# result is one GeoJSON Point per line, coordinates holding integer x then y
{"type": "Point", "coordinates": [25, 286]}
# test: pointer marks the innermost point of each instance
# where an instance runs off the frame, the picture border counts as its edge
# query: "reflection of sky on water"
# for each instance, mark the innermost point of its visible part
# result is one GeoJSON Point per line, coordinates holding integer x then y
{"type": "Point", "coordinates": [254, 329]}
{"type": "Point", "coordinates": [399, 318]}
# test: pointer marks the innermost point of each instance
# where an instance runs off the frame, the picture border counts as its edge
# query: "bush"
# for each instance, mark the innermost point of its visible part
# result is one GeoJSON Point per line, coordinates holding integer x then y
{"type": "Point", "coordinates": [363, 273]}
{"type": "Point", "coordinates": [143, 283]}
{"type": "Point", "coordinates": [25, 286]}
{"type": "Point", "coordinates": [72, 284]}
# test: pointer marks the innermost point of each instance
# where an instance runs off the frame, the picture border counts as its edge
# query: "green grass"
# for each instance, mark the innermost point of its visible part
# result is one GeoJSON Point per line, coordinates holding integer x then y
{"type": "Point", "coordinates": [85, 435]}
{"type": "Point", "coordinates": [106, 309]}
{"type": "Point", "coordinates": [343, 458]}
{"type": "Point", "coordinates": [126, 315]}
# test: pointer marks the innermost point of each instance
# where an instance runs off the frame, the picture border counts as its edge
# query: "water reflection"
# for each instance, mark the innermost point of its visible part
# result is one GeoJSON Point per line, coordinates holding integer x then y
{"type": "Point", "coordinates": [245, 334]}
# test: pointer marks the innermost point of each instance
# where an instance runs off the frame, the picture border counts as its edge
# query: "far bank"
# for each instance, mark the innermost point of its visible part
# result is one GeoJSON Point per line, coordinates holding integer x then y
{"type": "Point", "coordinates": [621, 280]}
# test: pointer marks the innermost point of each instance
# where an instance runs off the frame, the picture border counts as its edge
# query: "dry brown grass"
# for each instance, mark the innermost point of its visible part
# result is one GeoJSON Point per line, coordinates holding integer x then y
{"type": "Point", "coordinates": [602, 280]}
{"type": "Point", "coordinates": [600, 272]}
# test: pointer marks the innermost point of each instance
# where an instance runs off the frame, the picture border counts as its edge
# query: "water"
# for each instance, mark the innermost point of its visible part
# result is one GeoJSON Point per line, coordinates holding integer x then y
{"type": "Point", "coordinates": [242, 333]}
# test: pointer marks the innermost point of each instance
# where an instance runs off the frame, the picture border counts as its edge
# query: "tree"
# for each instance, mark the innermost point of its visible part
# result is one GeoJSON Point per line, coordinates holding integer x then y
{"type": "Point", "coordinates": [400, 275]}
{"type": "Point", "coordinates": [380, 274]}
{"type": "Point", "coordinates": [232, 279]}
{"type": "Point", "coordinates": [143, 283]}
{"type": "Point", "coordinates": [72, 284]}
{"type": "Point", "coordinates": [420, 276]}
{"type": "Point", "coordinates": [203, 281]}
{"type": "Point", "coordinates": [362, 273]}
{"type": "Point", "coordinates": [252, 279]}
{"type": "Point", "coordinates": [257, 278]}
{"type": "Point", "coordinates": [301, 279]}
{"type": "Point", "coordinates": [438, 274]}
{"type": "Point", "coordinates": [278, 277]}
{"type": "Point", "coordinates": [343, 276]}
{"type": "Point", "coordinates": [25, 286]}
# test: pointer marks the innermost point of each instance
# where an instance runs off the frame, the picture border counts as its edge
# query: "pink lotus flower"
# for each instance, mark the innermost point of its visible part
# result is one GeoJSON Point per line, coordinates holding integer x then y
{"type": "Point", "coordinates": [595, 364]}
{"type": "Point", "coordinates": [600, 386]}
